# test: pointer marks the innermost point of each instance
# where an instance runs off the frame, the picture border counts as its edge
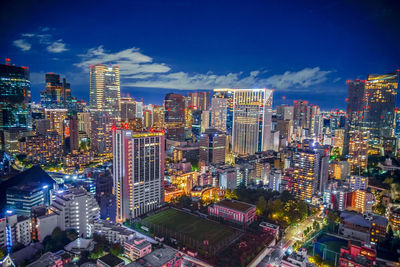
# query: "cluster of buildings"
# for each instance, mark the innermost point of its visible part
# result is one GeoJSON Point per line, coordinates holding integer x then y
{"type": "Point", "coordinates": [200, 144]}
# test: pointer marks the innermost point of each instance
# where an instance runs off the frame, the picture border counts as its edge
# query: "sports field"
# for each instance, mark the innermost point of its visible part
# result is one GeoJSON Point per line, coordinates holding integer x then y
{"type": "Point", "coordinates": [190, 225]}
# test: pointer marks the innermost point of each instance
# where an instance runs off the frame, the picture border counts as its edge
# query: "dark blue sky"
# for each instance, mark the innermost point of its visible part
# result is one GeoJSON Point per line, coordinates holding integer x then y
{"type": "Point", "coordinates": [302, 49]}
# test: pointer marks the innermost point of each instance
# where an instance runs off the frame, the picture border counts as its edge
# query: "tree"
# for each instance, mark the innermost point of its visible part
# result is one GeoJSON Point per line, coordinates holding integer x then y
{"type": "Point", "coordinates": [379, 209]}
{"type": "Point", "coordinates": [261, 205]}
{"type": "Point", "coordinates": [116, 249]}
{"type": "Point", "coordinates": [230, 194]}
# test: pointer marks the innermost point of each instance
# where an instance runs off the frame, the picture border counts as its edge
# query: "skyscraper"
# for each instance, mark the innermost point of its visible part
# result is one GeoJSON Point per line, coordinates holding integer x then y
{"type": "Point", "coordinates": [226, 94]}
{"type": "Point", "coordinates": [57, 94]}
{"type": "Point", "coordinates": [200, 100]}
{"type": "Point", "coordinates": [252, 120]}
{"type": "Point", "coordinates": [128, 108]}
{"type": "Point", "coordinates": [310, 173]}
{"type": "Point", "coordinates": [219, 113]}
{"type": "Point", "coordinates": [380, 95]}
{"type": "Point", "coordinates": [212, 146]}
{"type": "Point", "coordinates": [138, 170]}
{"type": "Point", "coordinates": [15, 97]}
{"type": "Point", "coordinates": [175, 116]}
{"type": "Point", "coordinates": [105, 88]}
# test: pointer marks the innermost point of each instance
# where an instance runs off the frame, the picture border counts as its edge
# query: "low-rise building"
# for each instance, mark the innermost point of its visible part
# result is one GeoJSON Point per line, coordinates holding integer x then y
{"type": "Point", "coordinates": [165, 256]}
{"type": "Point", "coordinates": [113, 232]}
{"type": "Point", "coordinates": [369, 228]}
{"type": "Point", "coordinates": [137, 248]}
{"type": "Point", "coordinates": [57, 259]}
{"type": "Point", "coordinates": [233, 211]}
{"type": "Point", "coordinates": [357, 255]}
{"type": "Point", "coordinates": [394, 218]}
{"type": "Point", "coordinates": [110, 260]}
{"type": "Point", "coordinates": [15, 230]}
{"type": "Point", "coordinates": [296, 259]}
{"type": "Point", "coordinates": [270, 228]}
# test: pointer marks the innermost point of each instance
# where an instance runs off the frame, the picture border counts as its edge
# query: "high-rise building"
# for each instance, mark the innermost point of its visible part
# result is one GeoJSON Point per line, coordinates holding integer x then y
{"type": "Point", "coordinates": [228, 95]}
{"type": "Point", "coordinates": [301, 114]}
{"type": "Point", "coordinates": [219, 113]}
{"type": "Point", "coordinates": [128, 108]}
{"type": "Point", "coordinates": [101, 132]}
{"type": "Point", "coordinates": [105, 88]}
{"type": "Point", "coordinates": [212, 146]}
{"type": "Point", "coordinates": [274, 179]}
{"type": "Point", "coordinates": [57, 94]}
{"type": "Point", "coordinates": [175, 116]}
{"type": "Point", "coordinates": [15, 97]}
{"type": "Point", "coordinates": [200, 100]}
{"type": "Point", "coordinates": [284, 112]}
{"type": "Point", "coordinates": [358, 182]}
{"type": "Point", "coordinates": [310, 173]}
{"type": "Point", "coordinates": [158, 118]}
{"type": "Point", "coordinates": [56, 118]}
{"type": "Point", "coordinates": [252, 120]}
{"type": "Point", "coordinates": [138, 170]}
{"type": "Point", "coordinates": [358, 151]}
{"type": "Point", "coordinates": [147, 118]}
{"type": "Point", "coordinates": [380, 95]}
{"type": "Point", "coordinates": [84, 122]}
{"type": "Point", "coordinates": [76, 209]}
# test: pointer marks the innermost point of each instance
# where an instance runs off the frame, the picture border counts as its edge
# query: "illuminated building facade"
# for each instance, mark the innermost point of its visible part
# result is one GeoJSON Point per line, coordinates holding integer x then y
{"type": "Point", "coordinates": [358, 150]}
{"type": "Point", "coordinates": [340, 170]}
{"type": "Point", "coordinates": [138, 172]}
{"type": "Point", "coordinates": [380, 95]}
{"type": "Point", "coordinates": [226, 94]}
{"type": "Point", "coordinates": [200, 100]}
{"type": "Point", "coordinates": [339, 139]}
{"type": "Point", "coordinates": [306, 171]}
{"type": "Point", "coordinates": [219, 113]}
{"type": "Point", "coordinates": [212, 147]}
{"type": "Point", "coordinates": [147, 118]}
{"type": "Point", "coordinates": [57, 94]}
{"type": "Point", "coordinates": [252, 120]}
{"type": "Point", "coordinates": [128, 108]}
{"type": "Point", "coordinates": [175, 116]}
{"type": "Point", "coordinates": [42, 148]}
{"type": "Point", "coordinates": [15, 97]}
{"type": "Point", "coordinates": [362, 201]}
{"type": "Point", "coordinates": [358, 182]}
{"type": "Point", "coordinates": [158, 118]}
{"type": "Point", "coordinates": [101, 132]}
{"type": "Point", "coordinates": [105, 88]}
{"type": "Point", "coordinates": [56, 118]}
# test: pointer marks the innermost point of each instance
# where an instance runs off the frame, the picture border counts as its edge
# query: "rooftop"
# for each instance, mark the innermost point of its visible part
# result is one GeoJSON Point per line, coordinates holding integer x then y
{"type": "Point", "coordinates": [361, 220]}
{"type": "Point", "coordinates": [156, 258]}
{"type": "Point", "coordinates": [111, 260]}
{"type": "Point", "coordinates": [235, 205]}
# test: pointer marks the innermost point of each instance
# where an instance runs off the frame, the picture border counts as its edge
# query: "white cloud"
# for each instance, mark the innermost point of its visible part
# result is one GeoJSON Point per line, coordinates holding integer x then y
{"type": "Point", "coordinates": [40, 38]}
{"type": "Point", "coordinates": [22, 44]}
{"type": "Point", "coordinates": [57, 47]}
{"type": "Point", "coordinates": [140, 70]}
{"type": "Point", "coordinates": [300, 79]}
{"type": "Point", "coordinates": [131, 62]}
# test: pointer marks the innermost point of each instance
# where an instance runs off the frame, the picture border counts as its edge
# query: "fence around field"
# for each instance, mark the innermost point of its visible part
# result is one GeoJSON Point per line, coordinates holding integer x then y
{"type": "Point", "coordinates": [191, 243]}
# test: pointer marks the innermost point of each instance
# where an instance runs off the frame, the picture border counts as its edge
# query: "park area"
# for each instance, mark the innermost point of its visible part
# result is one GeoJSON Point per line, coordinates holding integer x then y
{"type": "Point", "coordinates": [192, 231]}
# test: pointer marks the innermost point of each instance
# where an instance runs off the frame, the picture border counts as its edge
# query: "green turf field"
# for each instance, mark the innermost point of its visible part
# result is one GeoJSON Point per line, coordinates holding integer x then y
{"type": "Point", "coordinates": [190, 225]}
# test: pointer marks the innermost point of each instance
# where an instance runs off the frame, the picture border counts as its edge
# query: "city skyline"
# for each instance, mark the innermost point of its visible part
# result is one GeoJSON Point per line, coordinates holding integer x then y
{"type": "Point", "coordinates": [299, 59]}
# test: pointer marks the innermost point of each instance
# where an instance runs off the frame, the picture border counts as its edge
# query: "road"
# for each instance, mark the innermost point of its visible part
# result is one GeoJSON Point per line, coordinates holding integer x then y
{"type": "Point", "coordinates": [291, 235]}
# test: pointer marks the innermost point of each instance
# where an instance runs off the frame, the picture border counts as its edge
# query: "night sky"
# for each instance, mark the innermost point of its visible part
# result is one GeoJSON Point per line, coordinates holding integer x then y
{"type": "Point", "coordinates": [302, 49]}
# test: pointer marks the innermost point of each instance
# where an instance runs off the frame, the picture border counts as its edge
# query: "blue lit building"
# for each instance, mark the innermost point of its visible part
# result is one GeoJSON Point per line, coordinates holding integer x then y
{"type": "Point", "coordinates": [21, 198]}
{"type": "Point", "coordinates": [15, 97]}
